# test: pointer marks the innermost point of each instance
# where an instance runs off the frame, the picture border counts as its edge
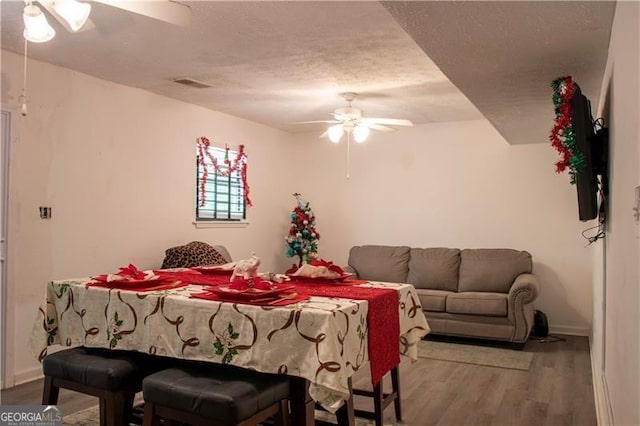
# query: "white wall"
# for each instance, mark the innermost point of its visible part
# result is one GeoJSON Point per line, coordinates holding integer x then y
{"type": "Point", "coordinates": [455, 185]}
{"type": "Point", "coordinates": [117, 165]}
{"type": "Point", "coordinates": [616, 340]}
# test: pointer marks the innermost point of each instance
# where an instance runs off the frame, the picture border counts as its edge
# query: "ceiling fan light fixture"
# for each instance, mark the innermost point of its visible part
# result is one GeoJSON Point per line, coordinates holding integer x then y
{"type": "Point", "coordinates": [360, 133]}
{"type": "Point", "coordinates": [335, 133]}
{"type": "Point", "coordinates": [36, 27]}
{"type": "Point", "coordinates": [74, 12]}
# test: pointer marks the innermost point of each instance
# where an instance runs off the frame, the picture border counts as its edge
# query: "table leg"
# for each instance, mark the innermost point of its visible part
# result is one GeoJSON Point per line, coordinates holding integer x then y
{"type": "Point", "coordinates": [346, 415]}
{"type": "Point", "coordinates": [302, 406]}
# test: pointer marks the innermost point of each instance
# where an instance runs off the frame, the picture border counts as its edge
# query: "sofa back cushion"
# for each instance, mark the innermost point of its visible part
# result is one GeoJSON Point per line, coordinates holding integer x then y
{"type": "Point", "coordinates": [380, 263]}
{"type": "Point", "coordinates": [492, 270]}
{"type": "Point", "coordinates": [434, 268]}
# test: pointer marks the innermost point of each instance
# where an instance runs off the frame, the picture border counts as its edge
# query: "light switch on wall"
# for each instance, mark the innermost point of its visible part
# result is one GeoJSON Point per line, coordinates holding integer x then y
{"type": "Point", "coordinates": [636, 208]}
{"type": "Point", "coordinates": [636, 212]}
{"type": "Point", "coordinates": [45, 212]}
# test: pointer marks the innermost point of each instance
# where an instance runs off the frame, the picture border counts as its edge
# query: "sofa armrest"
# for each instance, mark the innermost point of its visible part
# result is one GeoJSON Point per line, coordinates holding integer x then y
{"type": "Point", "coordinates": [350, 270]}
{"type": "Point", "coordinates": [520, 305]}
{"type": "Point", "coordinates": [525, 287]}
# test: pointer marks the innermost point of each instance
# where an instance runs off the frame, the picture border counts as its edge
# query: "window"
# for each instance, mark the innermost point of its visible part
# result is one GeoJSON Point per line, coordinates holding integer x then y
{"type": "Point", "coordinates": [220, 195]}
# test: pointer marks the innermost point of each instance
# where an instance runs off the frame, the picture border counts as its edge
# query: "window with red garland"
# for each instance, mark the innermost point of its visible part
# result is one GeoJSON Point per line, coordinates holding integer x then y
{"type": "Point", "coordinates": [219, 194]}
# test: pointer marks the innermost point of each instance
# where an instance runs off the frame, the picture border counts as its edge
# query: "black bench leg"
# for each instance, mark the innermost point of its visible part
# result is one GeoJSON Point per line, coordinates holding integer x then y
{"type": "Point", "coordinates": [115, 408]}
{"type": "Point", "coordinates": [149, 415]}
{"type": "Point", "coordinates": [378, 407]}
{"type": "Point", "coordinates": [103, 412]}
{"type": "Point", "coordinates": [282, 417]}
{"type": "Point", "coordinates": [50, 392]}
{"type": "Point", "coordinates": [395, 385]}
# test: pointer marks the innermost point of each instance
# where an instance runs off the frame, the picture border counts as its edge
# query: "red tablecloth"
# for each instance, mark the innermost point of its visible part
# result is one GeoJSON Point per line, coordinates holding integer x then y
{"type": "Point", "coordinates": [382, 318]}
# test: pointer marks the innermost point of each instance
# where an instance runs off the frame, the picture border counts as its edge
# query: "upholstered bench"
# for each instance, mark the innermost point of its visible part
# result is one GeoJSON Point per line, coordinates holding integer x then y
{"type": "Point", "coordinates": [112, 376]}
{"type": "Point", "coordinates": [215, 395]}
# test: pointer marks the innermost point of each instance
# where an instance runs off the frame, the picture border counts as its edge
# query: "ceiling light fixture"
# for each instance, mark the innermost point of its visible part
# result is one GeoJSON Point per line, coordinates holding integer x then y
{"type": "Point", "coordinates": [36, 27]}
{"type": "Point", "coordinates": [335, 133]}
{"type": "Point", "coordinates": [360, 131]}
{"type": "Point", "coordinates": [74, 12]}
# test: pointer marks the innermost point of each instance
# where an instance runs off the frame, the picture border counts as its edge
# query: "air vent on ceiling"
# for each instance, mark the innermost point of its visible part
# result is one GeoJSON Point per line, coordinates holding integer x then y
{"type": "Point", "coordinates": [191, 83]}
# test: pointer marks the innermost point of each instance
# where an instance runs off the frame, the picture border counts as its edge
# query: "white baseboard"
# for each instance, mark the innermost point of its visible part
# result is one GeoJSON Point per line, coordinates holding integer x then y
{"type": "Point", "coordinates": [28, 375]}
{"type": "Point", "coordinates": [604, 412]}
{"type": "Point", "coordinates": [570, 330]}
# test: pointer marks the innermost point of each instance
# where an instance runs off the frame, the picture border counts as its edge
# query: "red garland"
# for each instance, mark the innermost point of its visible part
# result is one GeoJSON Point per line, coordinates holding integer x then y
{"type": "Point", "coordinates": [240, 162]}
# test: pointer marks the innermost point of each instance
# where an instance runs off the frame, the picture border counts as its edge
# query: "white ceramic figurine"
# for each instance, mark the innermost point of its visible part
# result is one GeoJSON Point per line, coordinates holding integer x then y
{"type": "Point", "coordinates": [246, 268]}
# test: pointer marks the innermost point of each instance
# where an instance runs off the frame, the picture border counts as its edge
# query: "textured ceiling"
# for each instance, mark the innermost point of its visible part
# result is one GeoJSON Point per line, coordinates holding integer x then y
{"type": "Point", "coordinates": [504, 55]}
{"type": "Point", "coordinates": [282, 62]}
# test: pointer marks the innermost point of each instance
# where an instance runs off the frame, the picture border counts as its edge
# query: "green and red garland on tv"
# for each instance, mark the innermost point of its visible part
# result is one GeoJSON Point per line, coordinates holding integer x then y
{"type": "Point", "coordinates": [563, 136]}
{"type": "Point", "coordinates": [240, 162]}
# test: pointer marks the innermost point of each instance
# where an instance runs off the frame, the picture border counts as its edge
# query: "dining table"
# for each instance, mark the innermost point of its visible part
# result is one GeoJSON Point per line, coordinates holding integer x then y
{"type": "Point", "coordinates": [318, 332]}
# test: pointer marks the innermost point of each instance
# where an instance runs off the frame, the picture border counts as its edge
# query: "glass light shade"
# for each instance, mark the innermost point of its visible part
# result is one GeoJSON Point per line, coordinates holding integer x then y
{"type": "Point", "coordinates": [74, 12]}
{"type": "Point", "coordinates": [360, 133]}
{"type": "Point", "coordinates": [36, 27]}
{"type": "Point", "coordinates": [335, 133]}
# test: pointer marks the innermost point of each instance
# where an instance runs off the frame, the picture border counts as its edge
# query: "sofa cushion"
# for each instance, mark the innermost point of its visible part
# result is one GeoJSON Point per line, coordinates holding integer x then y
{"type": "Point", "coordinates": [433, 300]}
{"type": "Point", "coordinates": [380, 263]}
{"type": "Point", "coordinates": [491, 270]}
{"type": "Point", "coordinates": [434, 268]}
{"type": "Point", "coordinates": [477, 303]}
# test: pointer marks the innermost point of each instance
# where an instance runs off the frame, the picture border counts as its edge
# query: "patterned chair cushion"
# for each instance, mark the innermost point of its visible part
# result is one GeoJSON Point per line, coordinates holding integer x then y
{"type": "Point", "coordinates": [196, 253]}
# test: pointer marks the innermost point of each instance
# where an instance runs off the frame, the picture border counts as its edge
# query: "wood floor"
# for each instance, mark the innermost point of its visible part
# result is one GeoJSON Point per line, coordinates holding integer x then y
{"type": "Point", "coordinates": [557, 390]}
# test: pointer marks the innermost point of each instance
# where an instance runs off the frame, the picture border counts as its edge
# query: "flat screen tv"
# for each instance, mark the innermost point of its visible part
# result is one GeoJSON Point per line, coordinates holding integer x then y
{"type": "Point", "coordinates": [593, 146]}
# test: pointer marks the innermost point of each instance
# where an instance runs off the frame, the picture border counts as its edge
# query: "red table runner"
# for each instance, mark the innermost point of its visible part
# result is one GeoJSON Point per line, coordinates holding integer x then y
{"type": "Point", "coordinates": [194, 277]}
{"type": "Point", "coordinates": [277, 301]}
{"type": "Point", "coordinates": [382, 318]}
{"type": "Point", "coordinates": [151, 285]}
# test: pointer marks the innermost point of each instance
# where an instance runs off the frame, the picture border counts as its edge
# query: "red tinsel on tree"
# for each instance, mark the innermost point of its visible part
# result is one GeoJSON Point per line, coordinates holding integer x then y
{"type": "Point", "coordinates": [240, 162]}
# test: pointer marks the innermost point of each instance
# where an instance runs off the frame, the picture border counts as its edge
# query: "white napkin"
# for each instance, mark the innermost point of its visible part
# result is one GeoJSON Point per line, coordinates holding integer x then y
{"type": "Point", "coordinates": [310, 271]}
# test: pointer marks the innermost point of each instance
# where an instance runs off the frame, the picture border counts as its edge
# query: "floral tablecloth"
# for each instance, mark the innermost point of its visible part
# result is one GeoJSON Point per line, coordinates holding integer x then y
{"type": "Point", "coordinates": [323, 339]}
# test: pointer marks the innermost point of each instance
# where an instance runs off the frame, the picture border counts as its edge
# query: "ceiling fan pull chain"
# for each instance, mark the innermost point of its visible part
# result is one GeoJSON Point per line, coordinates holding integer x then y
{"type": "Point", "coordinates": [348, 152]}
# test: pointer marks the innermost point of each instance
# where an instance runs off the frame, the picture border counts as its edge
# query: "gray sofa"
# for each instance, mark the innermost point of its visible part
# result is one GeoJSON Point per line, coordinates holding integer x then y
{"type": "Point", "coordinates": [479, 293]}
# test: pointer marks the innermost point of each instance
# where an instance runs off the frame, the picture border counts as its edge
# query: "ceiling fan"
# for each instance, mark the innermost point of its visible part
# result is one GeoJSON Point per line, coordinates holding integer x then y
{"type": "Point", "coordinates": [74, 15]}
{"type": "Point", "coordinates": [350, 120]}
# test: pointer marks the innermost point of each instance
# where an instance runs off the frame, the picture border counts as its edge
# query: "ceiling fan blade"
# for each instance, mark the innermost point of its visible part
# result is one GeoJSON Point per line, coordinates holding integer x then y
{"type": "Point", "coordinates": [340, 117]}
{"type": "Point", "coordinates": [88, 25]}
{"type": "Point", "coordinates": [388, 121]}
{"type": "Point", "coordinates": [324, 135]}
{"type": "Point", "coordinates": [380, 127]}
{"type": "Point", "coordinates": [317, 121]}
{"type": "Point", "coordinates": [163, 10]}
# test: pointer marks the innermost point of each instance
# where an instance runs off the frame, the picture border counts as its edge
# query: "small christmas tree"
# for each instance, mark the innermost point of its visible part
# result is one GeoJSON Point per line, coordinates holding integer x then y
{"type": "Point", "coordinates": [302, 240]}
